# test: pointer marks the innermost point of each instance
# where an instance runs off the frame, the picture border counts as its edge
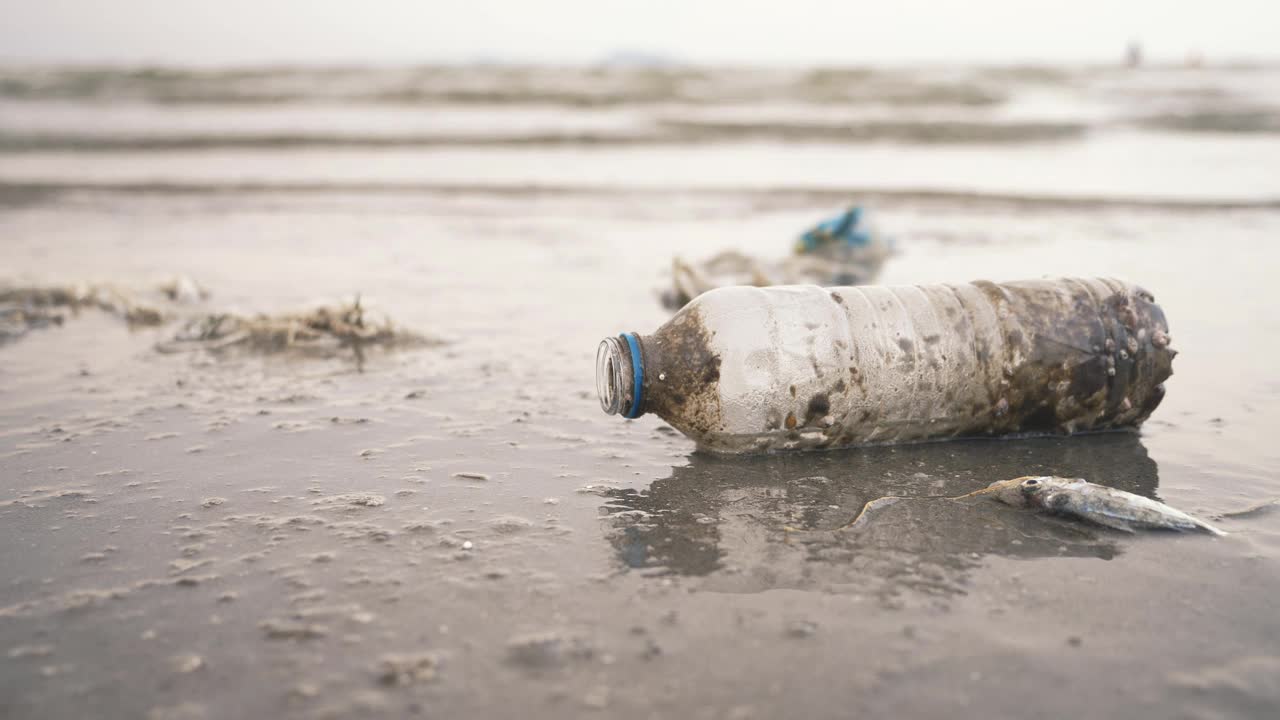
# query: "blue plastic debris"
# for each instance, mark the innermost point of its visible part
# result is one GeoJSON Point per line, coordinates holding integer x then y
{"type": "Point", "coordinates": [845, 228]}
{"type": "Point", "coordinates": [844, 250]}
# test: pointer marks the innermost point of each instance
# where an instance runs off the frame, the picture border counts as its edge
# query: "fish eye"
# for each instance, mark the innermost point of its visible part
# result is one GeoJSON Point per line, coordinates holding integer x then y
{"type": "Point", "coordinates": [1031, 483]}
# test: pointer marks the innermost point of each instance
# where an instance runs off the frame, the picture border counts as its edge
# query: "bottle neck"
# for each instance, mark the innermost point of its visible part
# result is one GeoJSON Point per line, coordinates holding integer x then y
{"type": "Point", "coordinates": [620, 375]}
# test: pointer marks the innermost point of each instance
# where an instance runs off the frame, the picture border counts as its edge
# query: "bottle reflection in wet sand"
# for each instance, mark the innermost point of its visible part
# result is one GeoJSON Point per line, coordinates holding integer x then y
{"type": "Point", "coordinates": [757, 523]}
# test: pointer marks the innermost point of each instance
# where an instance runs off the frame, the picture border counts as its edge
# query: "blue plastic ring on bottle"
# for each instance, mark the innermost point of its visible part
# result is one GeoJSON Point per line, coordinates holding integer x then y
{"type": "Point", "coordinates": [637, 375]}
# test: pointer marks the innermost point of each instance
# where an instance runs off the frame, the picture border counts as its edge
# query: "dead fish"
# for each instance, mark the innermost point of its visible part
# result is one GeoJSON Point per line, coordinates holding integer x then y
{"type": "Point", "coordinates": [1096, 503]}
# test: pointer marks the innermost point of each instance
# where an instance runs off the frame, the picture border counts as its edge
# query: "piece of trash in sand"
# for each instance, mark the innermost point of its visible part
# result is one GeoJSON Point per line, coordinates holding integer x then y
{"type": "Point", "coordinates": [1098, 504]}
{"type": "Point", "coordinates": [323, 330]}
{"type": "Point", "coordinates": [845, 250]}
{"type": "Point", "coordinates": [746, 369]}
{"type": "Point", "coordinates": [1106, 506]}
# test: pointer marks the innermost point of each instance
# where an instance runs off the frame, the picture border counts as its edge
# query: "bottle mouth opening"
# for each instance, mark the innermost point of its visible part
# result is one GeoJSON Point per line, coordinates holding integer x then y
{"type": "Point", "coordinates": [620, 376]}
{"type": "Point", "coordinates": [613, 376]}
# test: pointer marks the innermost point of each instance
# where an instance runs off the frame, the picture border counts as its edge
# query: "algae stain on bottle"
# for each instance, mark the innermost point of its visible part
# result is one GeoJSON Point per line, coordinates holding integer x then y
{"type": "Point", "coordinates": [745, 369]}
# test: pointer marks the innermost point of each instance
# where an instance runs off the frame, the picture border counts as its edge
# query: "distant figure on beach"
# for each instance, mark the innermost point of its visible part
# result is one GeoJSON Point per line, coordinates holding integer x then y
{"type": "Point", "coordinates": [1133, 54]}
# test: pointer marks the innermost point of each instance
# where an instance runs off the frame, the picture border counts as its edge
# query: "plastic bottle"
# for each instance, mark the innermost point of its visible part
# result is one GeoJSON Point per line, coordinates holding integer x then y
{"type": "Point", "coordinates": [744, 369]}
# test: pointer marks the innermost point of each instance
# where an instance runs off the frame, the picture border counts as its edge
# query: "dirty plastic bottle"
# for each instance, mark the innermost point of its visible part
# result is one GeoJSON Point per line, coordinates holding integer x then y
{"type": "Point", "coordinates": [744, 369]}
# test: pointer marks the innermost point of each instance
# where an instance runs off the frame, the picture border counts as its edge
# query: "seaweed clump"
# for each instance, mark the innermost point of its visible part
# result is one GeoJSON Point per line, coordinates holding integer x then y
{"type": "Point", "coordinates": [323, 330]}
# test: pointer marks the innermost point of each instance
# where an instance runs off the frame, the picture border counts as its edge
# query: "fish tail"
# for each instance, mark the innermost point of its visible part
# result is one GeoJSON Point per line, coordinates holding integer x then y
{"type": "Point", "coordinates": [1210, 528]}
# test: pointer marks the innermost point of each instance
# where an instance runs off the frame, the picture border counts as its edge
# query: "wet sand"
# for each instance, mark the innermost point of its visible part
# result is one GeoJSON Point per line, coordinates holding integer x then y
{"type": "Point", "coordinates": [459, 531]}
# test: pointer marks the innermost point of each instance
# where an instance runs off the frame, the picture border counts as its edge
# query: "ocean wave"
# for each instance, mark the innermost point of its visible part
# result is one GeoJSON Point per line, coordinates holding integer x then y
{"type": "Point", "coordinates": [19, 142]}
{"type": "Point", "coordinates": [1217, 120]}
{"type": "Point", "coordinates": [32, 193]}
{"type": "Point", "coordinates": [496, 84]}
{"type": "Point", "coordinates": [923, 132]}
{"type": "Point", "coordinates": [663, 132]}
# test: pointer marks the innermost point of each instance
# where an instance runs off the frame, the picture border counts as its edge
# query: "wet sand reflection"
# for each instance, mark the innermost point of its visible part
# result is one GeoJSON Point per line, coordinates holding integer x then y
{"type": "Point", "coordinates": [756, 523]}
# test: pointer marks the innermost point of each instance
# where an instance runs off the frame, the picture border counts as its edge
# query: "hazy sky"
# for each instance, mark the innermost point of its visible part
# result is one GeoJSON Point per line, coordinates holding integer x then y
{"type": "Point", "coordinates": [777, 31]}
